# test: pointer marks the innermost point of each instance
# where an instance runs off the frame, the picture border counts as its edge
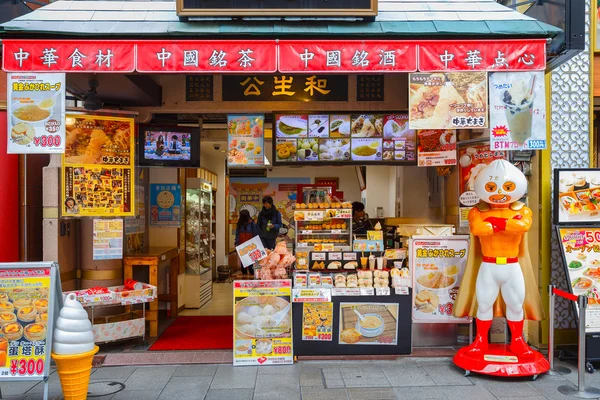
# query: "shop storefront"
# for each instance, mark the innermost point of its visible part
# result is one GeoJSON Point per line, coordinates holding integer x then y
{"type": "Point", "coordinates": [399, 113]}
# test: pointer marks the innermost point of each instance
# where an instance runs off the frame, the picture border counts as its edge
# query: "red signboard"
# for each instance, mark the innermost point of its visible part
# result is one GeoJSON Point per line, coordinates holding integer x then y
{"type": "Point", "coordinates": [68, 56]}
{"type": "Point", "coordinates": [346, 56]}
{"type": "Point", "coordinates": [502, 55]}
{"type": "Point", "coordinates": [219, 56]}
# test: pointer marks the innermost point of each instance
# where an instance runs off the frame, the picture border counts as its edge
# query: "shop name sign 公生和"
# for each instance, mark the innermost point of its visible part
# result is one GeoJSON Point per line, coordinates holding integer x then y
{"type": "Point", "coordinates": [251, 251]}
{"type": "Point", "coordinates": [36, 113]}
{"type": "Point", "coordinates": [285, 88]}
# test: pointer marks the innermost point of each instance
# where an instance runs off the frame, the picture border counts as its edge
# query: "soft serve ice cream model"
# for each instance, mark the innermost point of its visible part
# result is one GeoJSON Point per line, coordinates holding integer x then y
{"type": "Point", "coordinates": [73, 349]}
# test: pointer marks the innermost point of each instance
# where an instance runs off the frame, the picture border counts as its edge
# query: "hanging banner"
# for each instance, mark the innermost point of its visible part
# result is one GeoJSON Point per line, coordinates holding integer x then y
{"type": "Point", "coordinates": [471, 160]}
{"type": "Point", "coordinates": [501, 55]}
{"type": "Point", "coordinates": [108, 239]}
{"type": "Point", "coordinates": [251, 251]}
{"type": "Point", "coordinates": [165, 205]}
{"type": "Point", "coordinates": [438, 264]}
{"type": "Point", "coordinates": [97, 167]}
{"type": "Point", "coordinates": [262, 320]}
{"type": "Point", "coordinates": [245, 140]}
{"type": "Point", "coordinates": [454, 100]}
{"type": "Point", "coordinates": [517, 111]}
{"type": "Point", "coordinates": [580, 248]}
{"type": "Point", "coordinates": [436, 147]}
{"type": "Point", "coordinates": [347, 56]}
{"type": "Point", "coordinates": [68, 56]}
{"type": "Point", "coordinates": [218, 56]}
{"type": "Point", "coordinates": [317, 321]}
{"type": "Point", "coordinates": [36, 113]}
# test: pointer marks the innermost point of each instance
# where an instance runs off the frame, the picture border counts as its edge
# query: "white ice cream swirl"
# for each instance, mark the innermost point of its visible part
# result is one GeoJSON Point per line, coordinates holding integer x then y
{"type": "Point", "coordinates": [73, 332]}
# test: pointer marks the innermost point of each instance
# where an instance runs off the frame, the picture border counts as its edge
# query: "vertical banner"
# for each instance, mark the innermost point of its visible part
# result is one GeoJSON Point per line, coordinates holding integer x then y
{"type": "Point", "coordinates": [438, 264]}
{"type": "Point", "coordinates": [518, 111]}
{"type": "Point", "coordinates": [97, 167]}
{"type": "Point", "coordinates": [108, 239]}
{"type": "Point", "coordinates": [36, 113]}
{"type": "Point", "coordinates": [245, 140]}
{"type": "Point", "coordinates": [471, 160]}
{"type": "Point", "coordinates": [436, 148]}
{"type": "Point", "coordinates": [317, 321]}
{"type": "Point", "coordinates": [165, 205]}
{"type": "Point", "coordinates": [262, 320]}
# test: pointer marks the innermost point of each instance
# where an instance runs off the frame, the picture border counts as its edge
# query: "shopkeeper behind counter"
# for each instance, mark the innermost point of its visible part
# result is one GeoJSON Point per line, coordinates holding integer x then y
{"type": "Point", "coordinates": [360, 219]}
{"type": "Point", "coordinates": [269, 223]}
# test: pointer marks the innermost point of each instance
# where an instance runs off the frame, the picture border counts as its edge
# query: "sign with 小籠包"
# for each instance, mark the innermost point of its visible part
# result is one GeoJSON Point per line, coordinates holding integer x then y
{"type": "Point", "coordinates": [370, 88]}
{"type": "Point", "coordinates": [198, 88]}
{"type": "Point", "coordinates": [285, 88]}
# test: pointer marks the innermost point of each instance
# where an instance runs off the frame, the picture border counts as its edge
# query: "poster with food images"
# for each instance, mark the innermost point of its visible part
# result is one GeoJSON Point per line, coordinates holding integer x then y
{"type": "Point", "coordinates": [368, 324]}
{"type": "Point", "coordinates": [36, 113]}
{"type": "Point", "coordinates": [517, 110]}
{"type": "Point", "coordinates": [366, 149]}
{"type": "Point", "coordinates": [438, 264]}
{"type": "Point", "coordinates": [165, 205]}
{"type": "Point", "coordinates": [366, 126]}
{"type": "Point", "coordinates": [262, 322]}
{"type": "Point", "coordinates": [399, 142]}
{"type": "Point", "coordinates": [317, 321]}
{"type": "Point", "coordinates": [436, 147]}
{"type": "Point", "coordinates": [451, 100]}
{"type": "Point", "coordinates": [24, 316]}
{"type": "Point", "coordinates": [108, 239]}
{"type": "Point", "coordinates": [580, 247]}
{"type": "Point", "coordinates": [578, 197]}
{"type": "Point", "coordinates": [97, 167]}
{"type": "Point", "coordinates": [245, 140]}
{"type": "Point", "coordinates": [471, 160]}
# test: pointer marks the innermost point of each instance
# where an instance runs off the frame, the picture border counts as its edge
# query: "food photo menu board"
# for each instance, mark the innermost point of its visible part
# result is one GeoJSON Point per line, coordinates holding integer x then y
{"type": "Point", "coordinates": [577, 196]}
{"type": "Point", "coordinates": [343, 139]}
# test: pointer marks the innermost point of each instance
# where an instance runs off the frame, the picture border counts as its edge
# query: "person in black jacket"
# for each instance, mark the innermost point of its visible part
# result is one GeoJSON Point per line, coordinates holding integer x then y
{"type": "Point", "coordinates": [269, 222]}
{"type": "Point", "coordinates": [360, 219]}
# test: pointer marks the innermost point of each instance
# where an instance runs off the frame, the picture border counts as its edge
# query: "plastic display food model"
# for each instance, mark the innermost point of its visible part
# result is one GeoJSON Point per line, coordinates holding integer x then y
{"type": "Point", "coordinates": [498, 279]}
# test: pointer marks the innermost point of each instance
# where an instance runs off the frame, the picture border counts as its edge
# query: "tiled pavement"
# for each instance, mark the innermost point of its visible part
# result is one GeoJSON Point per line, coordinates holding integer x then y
{"type": "Point", "coordinates": [406, 378]}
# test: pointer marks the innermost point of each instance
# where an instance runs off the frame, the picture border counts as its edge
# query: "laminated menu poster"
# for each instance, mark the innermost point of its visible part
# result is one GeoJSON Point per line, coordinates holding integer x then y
{"type": "Point", "coordinates": [97, 167]}
{"type": "Point", "coordinates": [577, 196]}
{"type": "Point", "coordinates": [245, 140]}
{"type": "Point", "coordinates": [451, 100]}
{"type": "Point", "coordinates": [580, 247]}
{"type": "Point", "coordinates": [471, 160]}
{"type": "Point", "coordinates": [317, 321]}
{"type": "Point", "coordinates": [36, 113]}
{"type": "Point", "coordinates": [368, 324]}
{"type": "Point", "coordinates": [517, 111]}
{"type": "Point", "coordinates": [438, 264]}
{"type": "Point", "coordinates": [262, 320]}
{"type": "Point", "coordinates": [165, 205]}
{"type": "Point", "coordinates": [108, 239]}
{"type": "Point", "coordinates": [436, 148]}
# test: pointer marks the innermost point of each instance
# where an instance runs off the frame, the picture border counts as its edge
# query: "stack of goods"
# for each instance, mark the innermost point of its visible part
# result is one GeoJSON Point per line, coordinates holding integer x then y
{"type": "Point", "coordinates": [400, 277]}
{"type": "Point", "coordinates": [275, 265]}
{"type": "Point", "coordinates": [365, 278]}
{"type": "Point", "coordinates": [381, 279]}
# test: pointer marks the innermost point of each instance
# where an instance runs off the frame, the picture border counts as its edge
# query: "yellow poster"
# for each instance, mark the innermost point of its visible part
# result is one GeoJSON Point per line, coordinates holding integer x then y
{"type": "Point", "coordinates": [317, 321]}
{"type": "Point", "coordinates": [24, 295]}
{"type": "Point", "coordinates": [262, 322]}
{"type": "Point", "coordinates": [97, 166]}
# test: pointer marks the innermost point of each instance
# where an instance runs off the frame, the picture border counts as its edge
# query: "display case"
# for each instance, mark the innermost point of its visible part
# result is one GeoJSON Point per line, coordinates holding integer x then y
{"type": "Point", "coordinates": [323, 229]}
{"type": "Point", "coordinates": [198, 245]}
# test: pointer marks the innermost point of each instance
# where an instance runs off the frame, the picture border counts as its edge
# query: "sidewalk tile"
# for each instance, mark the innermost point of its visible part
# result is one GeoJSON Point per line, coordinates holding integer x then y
{"type": "Point", "coordinates": [184, 388]}
{"type": "Point", "coordinates": [408, 376]}
{"type": "Point", "coordinates": [229, 394]}
{"type": "Point", "coordinates": [148, 358]}
{"type": "Point", "coordinates": [275, 393]}
{"type": "Point", "coordinates": [279, 381]}
{"type": "Point", "coordinates": [16, 388]}
{"type": "Point", "coordinates": [113, 373]}
{"type": "Point", "coordinates": [312, 393]}
{"type": "Point", "coordinates": [229, 377]}
{"type": "Point", "coordinates": [313, 379]}
{"type": "Point", "coordinates": [467, 393]}
{"type": "Point", "coordinates": [209, 357]}
{"type": "Point", "coordinates": [196, 370]}
{"type": "Point", "coordinates": [278, 369]}
{"type": "Point", "coordinates": [137, 395]}
{"type": "Point", "coordinates": [447, 375]}
{"type": "Point", "coordinates": [549, 388]}
{"type": "Point", "coordinates": [372, 394]}
{"type": "Point", "coordinates": [149, 378]}
{"type": "Point", "coordinates": [539, 397]}
{"type": "Point", "coordinates": [420, 392]}
{"type": "Point", "coordinates": [179, 357]}
{"type": "Point", "coordinates": [508, 387]}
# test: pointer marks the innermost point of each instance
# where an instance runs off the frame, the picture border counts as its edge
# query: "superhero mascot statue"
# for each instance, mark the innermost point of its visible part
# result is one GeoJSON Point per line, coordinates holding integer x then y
{"type": "Point", "coordinates": [498, 279]}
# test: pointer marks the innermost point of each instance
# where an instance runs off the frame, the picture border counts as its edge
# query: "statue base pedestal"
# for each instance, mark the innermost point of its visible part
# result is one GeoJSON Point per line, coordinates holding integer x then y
{"type": "Point", "coordinates": [499, 361]}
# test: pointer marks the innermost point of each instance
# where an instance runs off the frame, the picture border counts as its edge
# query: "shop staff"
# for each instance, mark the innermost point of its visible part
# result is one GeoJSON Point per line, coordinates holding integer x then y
{"type": "Point", "coordinates": [269, 223]}
{"type": "Point", "coordinates": [360, 219]}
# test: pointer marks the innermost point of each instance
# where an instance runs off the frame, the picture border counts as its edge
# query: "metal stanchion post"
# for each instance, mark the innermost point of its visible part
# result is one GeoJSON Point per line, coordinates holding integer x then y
{"type": "Point", "coordinates": [552, 309]}
{"type": "Point", "coordinates": [581, 391]}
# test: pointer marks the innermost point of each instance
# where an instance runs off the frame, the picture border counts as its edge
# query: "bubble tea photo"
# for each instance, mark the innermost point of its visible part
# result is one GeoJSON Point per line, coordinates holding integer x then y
{"type": "Point", "coordinates": [519, 110]}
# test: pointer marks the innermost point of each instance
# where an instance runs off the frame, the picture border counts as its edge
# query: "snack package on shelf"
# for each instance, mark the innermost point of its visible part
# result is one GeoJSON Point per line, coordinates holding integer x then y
{"type": "Point", "coordinates": [314, 280]}
{"type": "Point", "coordinates": [400, 277]}
{"type": "Point", "coordinates": [300, 280]}
{"type": "Point", "coordinates": [365, 278]}
{"type": "Point", "coordinates": [326, 281]}
{"type": "Point", "coordinates": [381, 279]}
{"type": "Point", "coordinates": [302, 260]}
{"type": "Point", "coordinates": [339, 280]}
{"type": "Point", "coordinates": [352, 281]}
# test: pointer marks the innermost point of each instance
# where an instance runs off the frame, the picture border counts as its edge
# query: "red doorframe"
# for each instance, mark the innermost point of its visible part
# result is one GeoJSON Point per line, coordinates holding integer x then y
{"type": "Point", "coordinates": [9, 198]}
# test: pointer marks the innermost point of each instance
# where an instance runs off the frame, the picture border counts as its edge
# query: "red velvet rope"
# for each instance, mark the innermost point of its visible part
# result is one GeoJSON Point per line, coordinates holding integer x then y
{"type": "Point", "coordinates": [564, 294]}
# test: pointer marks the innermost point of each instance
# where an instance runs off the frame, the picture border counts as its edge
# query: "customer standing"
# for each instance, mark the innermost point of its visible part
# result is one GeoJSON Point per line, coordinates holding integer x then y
{"type": "Point", "coordinates": [246, 229]}
{"type": "Point", "coordinates": [360, 219]}
{"type": "Point", "coordinates": [269, 223]}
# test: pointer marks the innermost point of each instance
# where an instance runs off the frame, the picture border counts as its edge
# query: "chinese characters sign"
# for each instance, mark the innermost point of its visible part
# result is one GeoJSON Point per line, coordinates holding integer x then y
{"type": "Point", "coordinates": [68, 56]}
{"type": "Point", "coordinates": [517, 111]}
{"type": "Point", "coordinates": [251, 251]}
{"type": "Point", "coordinates": [198, 88]}
{"type": "Point", "coordinates": [207, 56]}
{"type": "Point", "coordinates": [262, 319]}
{"type": "Point", "coordinates": [438, 264]}
{"type": "Point", "coordinates": [437, 148]}
{"type": "Point", "coordinates": [347, 56]}
{"type": "Point", "coordinates": [245, 140]}
{"type": "Point", "coordinates": [108, 239]}
{"type": "Point", "coordinates": [285, 88]}
{"type": "Point", "coordinates": [97, 167]}
{"type": "Point", "coordinates": [504, 55]}
{"type": "Point", "coordinates": [165, 205]}
{"type": "Point", "coordinates": [36, 113]}
{"type": "Point", "coordinates": [454, 100]}
{"type": "Point", "coordinates": [581, 254]}
{"type": "Point", "coordinates": [370, 87]}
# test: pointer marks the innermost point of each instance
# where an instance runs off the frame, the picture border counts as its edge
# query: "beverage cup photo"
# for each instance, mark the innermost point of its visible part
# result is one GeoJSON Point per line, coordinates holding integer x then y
{"type": "Point", "coordinates": [519, 118]}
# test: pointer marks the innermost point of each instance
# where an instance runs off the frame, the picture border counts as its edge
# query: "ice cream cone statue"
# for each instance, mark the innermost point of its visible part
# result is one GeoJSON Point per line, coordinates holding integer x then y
{"type": "Point", "coordinates": [73, 349]}
{"type": "Point", "coordinates": [498, 279]}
